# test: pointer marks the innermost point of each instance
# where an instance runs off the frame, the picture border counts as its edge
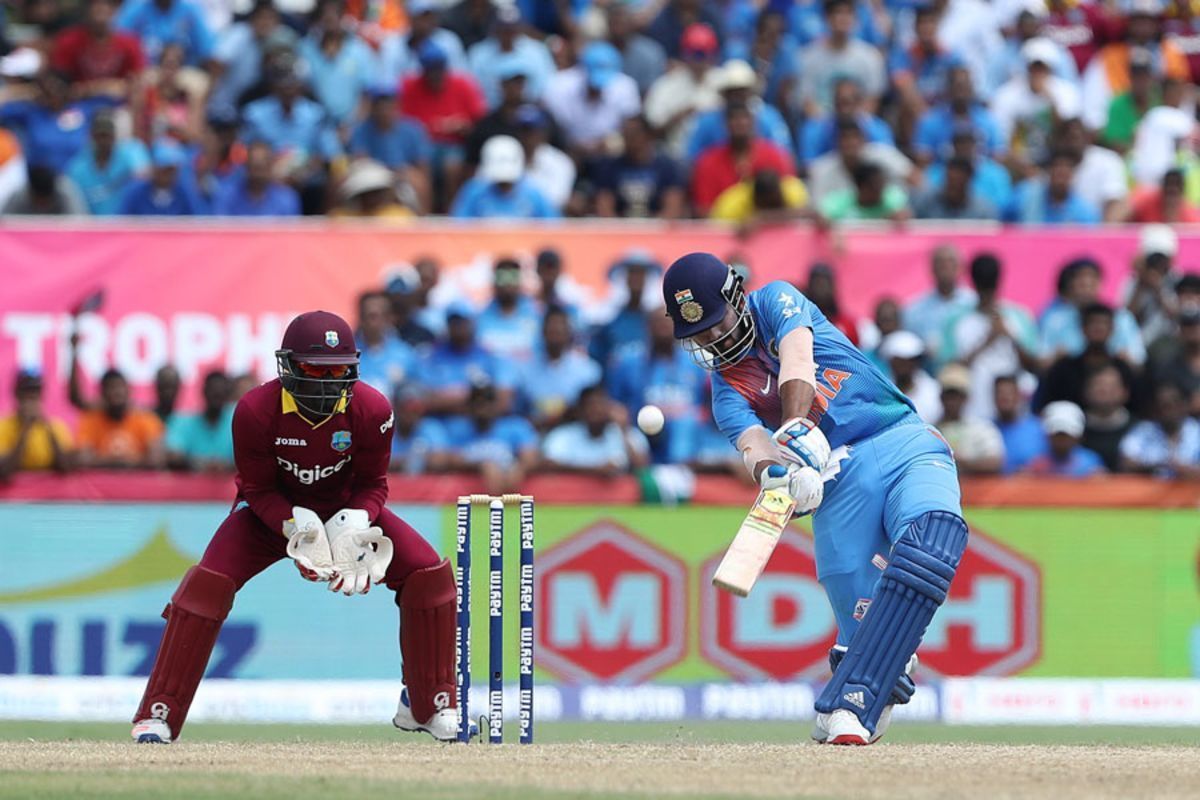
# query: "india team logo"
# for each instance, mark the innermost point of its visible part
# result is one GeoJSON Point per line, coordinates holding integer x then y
{"type": "Point", "coordinates": [341, 441]}
{"type": "Point", "coordinates": [331, 339]}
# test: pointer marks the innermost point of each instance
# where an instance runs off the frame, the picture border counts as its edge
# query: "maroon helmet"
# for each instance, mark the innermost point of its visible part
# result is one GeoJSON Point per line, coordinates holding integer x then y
{"type": "Point", "coordinates": [318, 361]}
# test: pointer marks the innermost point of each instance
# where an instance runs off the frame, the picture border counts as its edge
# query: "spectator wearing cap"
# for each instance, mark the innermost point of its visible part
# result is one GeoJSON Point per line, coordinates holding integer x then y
{"type": "Point", "coordinates": [977, 444]}
{"type": "Point", "coordinates": [1101, 179]}
{"type": "Point", "coordinates": [1062, 323]}
{"type": "Point", "coordinates": [341, 65]}
{"type": "Point", "coordinates": [97, 59]}
{"type": "Point", "coordinates": [642, 181]}
{"type": "Point", "coordinates": [927, 315]}
{"type": "Point", "coordinates": [1149, 293]}
{"type": "Point", "coordinates": [920, 70]}
{"type": "Point", "coordinates": [1064, 457]}
{"type": "Point", "coordinates": [1178, 358]}
{"type": "Point", "coordinates": [818, 135]}
{"type": "Point", "coordinates": [600, 443]}
{"type": "Point", "coordinates": [448, 103]}
{"type": "Point", "coordinates": [508, 49]}
{"type": "Point", "coordinates": [158, 23]}
{"type": "Point", "coordinates": [590, 100]}
{"type": "Point", "coordinates": [768, 198]}
{"type": "Point", "coordinates": [744, 154]}
{"type": "Point", "coordinates": [1021, 430]}
{"type": "Point", "coordinates": [385, 361]}
{"type": "Point", "coordinates": [51, 126]}
{"type": "Point", "coordinates": [990, 181]}
{"type": "Point", "coordinates": [29, 439]}
{"type": "Point", "coordinates": [401, 292]}
{"type": "Point", "coordinates": [1106, 400]}
{"type": "Point", "coordinates": [1026, 107]}
{"type": "Point", "coordinates": [458, 362]}
{"type": "Point", "coordinates": [995, 337]}
{"type": "Point", "coordinates": [400, 54]}
{"type": "Point", "coordinates": [961, 110]}
{"type": "Point", "coordinates": [369, 190]}
{"type": "Point", "coordinates": [838, 53]}
{"type": "Point", "coordinates": [500, 188]}
{"type": "Point", "coordinates": [676, 15]}
{"type": "Point", "coordinates": [956, 197]}
{"type": "Point", "coordinates": [1028, 25]}
{"type": "Point", "coordinates": [738, 84]}
{"type": "Point", "coordinates": [239, 52]}
{"type": "Point", "coordinates": [1108, 73]}
{"type": "Point", "coordinates": [204, 441]}
{"type": "Point", "coordinates": [470, 20]}
{"type": "Point", "coordinates": [167, 191]}
{"type": "Point", "coordinates": [1126, 109]}
{"type": "Point", "coordinates": [1168, 444]}
{"type": "Point", "coordinates": [399, 143]}
{"type": "Point", "coordinates": [688, 87]}
{"type": "Point", "coordinates": [115, 435]}
{"type": "Point", "coordinates": [834, 172]}
{"type": "Point", "coordinates": [486, 441]}
{"type": "Point", "coordinates": [1163, 139]}
{"type": "Point", "coordinates": [548, 169]}
{"type": "Point", "coordinates": [1166, 204]}
{"type": "Point", "coordinates": [508, 326]}
{"type": "Point", "coordinates": [632, 295]}
{"type": "Point", "coordinates": [419, 443]}
{"type": "Point", "coordinates": [558, 371]}
{"type": "Point", "coordinates": [1064, 380]}
{"type": "Point", "coordinates": [902, 353]}
{"type": "Point", "coordinates": [1052, 200]}
{"type": "Point", "coordinates": [642, 58]}
{"type": "Point", "coordinates": [872, 198]}
{"type": "Point", "coordinates": [255, 192]}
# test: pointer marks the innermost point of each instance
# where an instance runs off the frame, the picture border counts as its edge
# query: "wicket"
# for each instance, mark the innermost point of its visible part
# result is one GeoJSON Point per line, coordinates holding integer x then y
{"type": "Point", "coordinates": [495, 716]}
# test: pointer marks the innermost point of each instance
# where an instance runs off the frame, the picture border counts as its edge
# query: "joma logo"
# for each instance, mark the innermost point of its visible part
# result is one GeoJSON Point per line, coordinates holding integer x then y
{"type": "Point", "coordinates": [286, 442]}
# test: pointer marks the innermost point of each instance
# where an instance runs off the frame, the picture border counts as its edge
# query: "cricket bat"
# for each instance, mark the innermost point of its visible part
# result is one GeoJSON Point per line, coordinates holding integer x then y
{"type": "Point", "coordinates": [755, 541]}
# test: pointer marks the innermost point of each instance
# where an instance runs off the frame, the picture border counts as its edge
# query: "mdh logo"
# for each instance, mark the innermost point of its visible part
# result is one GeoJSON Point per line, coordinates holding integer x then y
{"type": "Point", "coordinates": [310, 475]}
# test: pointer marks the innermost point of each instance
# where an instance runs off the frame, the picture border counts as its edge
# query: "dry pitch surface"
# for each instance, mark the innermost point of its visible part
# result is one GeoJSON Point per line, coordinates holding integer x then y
{"type": "Point", "coordinates": [296, 769]}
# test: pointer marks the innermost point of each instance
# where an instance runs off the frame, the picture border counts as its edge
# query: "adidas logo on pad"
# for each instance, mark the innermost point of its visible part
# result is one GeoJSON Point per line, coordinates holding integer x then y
{"type": "Point", "coordinates": [856, 699]}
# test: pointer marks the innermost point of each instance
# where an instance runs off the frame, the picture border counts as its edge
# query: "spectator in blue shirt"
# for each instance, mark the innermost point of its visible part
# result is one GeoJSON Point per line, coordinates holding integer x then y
{"type": "Point", "coordinates": [158, 23]}
{"type": "Point", "coordinates": [501, 449]}
{"type": "Point", "coordinates": [557, 373]}
{"type": "Point", "coordinates": [509, 49]}
{"type": "Point", "coordinates": [420, 442]}
{"type": "Point", "coordinates": [739, 86]}
{"type": "Point", "coordinates": [52, 128]}
{"type": "Point", "coordinates": [239, 53]}
{"type": "Point", "coordinates": [1062, 322]}
{"type": "Point", "coordinates": [508, 326]}
{"type": "Point", "coordinates": [658, 372]}
{"type": "Point", "coordinates": [105, 166]}
{"type": "Point", "coordinates": [204, 441]}
{"type": "Point", "coordinates": [399, 143]}
{"type": "Point", "coordinates": [990, 182]}
{"type": "Point", "coordinates": [1167, 446]}
{"type": "Point", "coordinates": [499, 189]}
{"type": "Point", "coordinates": [341, 66]}
{"type": "Point", "coordinates": [1022, 431]}
{"type": "Point", "coordinates": [167, 192]}
{"type": "Point", "coordinates": [818, 135]}
{"type": "Point", "coordinates": [385, 361]}
{"type": "Point", "coordinates": [1063, 423]}
{"type": "Point", "coordinates": [1052, 200]}
{"type": "Point", "coordinates": [806, 21]}
{"type": "Point", "coordinates": [773, 49]}
{"type": "Point", "coordinates": [598, 443]}
{"type": "Point", "coordinates": [627, 326]}
{"type": "Point", "coordinates": [255, 192]}
{"type": "Point", "coordinates": [398, 53]}
{"type": "Point", "coordinates": [960, 112]}
{"type": "Point", "coordinates": [453, 366]}
{"type": "Point", "coordinates": [928, 314]}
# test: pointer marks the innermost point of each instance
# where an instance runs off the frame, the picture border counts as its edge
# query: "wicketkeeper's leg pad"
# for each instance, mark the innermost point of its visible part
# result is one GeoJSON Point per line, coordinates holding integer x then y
{"type": "Point", "coordinates": [910, 590]}
{"type": "Point", "coordinates": [194, 617]}
{"type": "Point", "coordinates": [427, 639]}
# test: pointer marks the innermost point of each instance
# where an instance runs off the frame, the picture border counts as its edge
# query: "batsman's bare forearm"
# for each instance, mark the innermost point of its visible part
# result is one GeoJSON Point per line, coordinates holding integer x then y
{"type": "Point", "coordinates": [796, 396]}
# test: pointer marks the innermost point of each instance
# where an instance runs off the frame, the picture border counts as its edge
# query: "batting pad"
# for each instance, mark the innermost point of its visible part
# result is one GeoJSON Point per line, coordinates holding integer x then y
{"type": "Point", "coordinates": [910, 590]}
{"type": "Point", "coordinates": [427, 639]}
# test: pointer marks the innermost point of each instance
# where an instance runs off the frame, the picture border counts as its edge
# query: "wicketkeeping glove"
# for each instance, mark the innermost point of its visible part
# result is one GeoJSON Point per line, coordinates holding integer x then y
{"type": "Point", "coordinates": [802, 442]}
{"type": "Point", "coordinates": [361, 553]}
{"type": "Point", "coordinates": [308, 544]}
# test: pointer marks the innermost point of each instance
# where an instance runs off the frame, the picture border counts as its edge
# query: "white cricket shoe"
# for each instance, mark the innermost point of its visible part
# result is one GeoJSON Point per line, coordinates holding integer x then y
{"type": "Point", "coordinates": [820, 731]}
{"type": "Point", "coordinates": [151, 731]}
{"type": "Point", "coordinates": [443, 725]}
{"type": "Point", "coordinates": [843, 727]}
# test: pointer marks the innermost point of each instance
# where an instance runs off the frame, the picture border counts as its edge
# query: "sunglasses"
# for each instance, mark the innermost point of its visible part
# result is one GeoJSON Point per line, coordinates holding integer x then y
{"type": "Point", "coordinates": [327, 371]}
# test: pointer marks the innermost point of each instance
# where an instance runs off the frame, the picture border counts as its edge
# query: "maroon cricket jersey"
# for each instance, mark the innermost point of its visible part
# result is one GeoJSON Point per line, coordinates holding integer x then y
{"type": "Point", "coordinates": [283, 460]}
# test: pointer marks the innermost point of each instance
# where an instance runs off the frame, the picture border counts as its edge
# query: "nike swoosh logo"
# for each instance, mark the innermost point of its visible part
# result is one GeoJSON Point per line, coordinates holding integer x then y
{"type": "Point", "coordinates": [767, 390]}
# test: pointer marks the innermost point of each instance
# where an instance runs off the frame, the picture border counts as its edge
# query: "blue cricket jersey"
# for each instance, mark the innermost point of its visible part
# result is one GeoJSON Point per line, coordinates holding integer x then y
{"type": "Point", "coordinates": [854, 400]}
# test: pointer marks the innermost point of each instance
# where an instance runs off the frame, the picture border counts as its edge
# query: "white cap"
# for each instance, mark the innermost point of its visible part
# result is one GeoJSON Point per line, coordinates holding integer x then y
{"type": "Point", "coordinates": [366, 176]}
{"type": "Point", "coordinates": [1039, 48]}
{"type": "Point", "coordinates": [502, 160]}
{"type": "Point", "coordinates": [24, 62]}
{"type": "Point", "coordinates": [1063, 416]}
{"type": "Point", "coordinates": [1158, 238]}
{"type": "Point", "coordinates": [737, 74]}
{"type": "Point", "coordinates": [901, 344]}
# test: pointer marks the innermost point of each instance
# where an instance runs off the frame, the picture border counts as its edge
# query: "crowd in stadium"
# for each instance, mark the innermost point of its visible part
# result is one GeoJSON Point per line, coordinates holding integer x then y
{"type": "Point", "coordinates": [751, 111]}
{"type": "Point", "coordinates": [524, 384]}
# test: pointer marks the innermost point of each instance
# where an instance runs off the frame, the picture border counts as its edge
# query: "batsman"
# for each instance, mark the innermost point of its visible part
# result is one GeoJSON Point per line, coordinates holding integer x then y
{"type": "Point", "coordinates": [311, 449]}
{"type": "Point", "coordinates": [811, 415]}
